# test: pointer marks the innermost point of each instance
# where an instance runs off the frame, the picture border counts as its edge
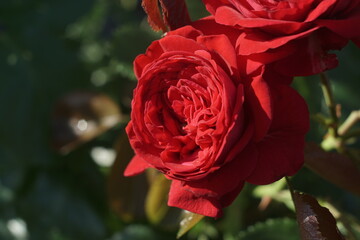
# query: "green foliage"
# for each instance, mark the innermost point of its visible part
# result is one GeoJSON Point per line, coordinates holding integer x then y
{"type": "Point", "coordinates": [47, 49]}
{"type": "Point", "coordinates": [272, 229]}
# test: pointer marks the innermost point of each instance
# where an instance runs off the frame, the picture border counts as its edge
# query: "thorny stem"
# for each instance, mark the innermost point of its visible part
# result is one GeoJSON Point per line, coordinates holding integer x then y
{"type": "Point", "coordinates": [330, 103]}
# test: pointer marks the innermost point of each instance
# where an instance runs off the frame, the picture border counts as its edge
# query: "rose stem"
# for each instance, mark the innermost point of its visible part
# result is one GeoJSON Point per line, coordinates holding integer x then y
{"type": "Point", "coordinates": [290, 187]}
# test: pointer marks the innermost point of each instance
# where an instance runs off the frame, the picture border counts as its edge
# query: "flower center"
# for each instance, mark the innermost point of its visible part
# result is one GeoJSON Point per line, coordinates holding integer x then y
{"type": "Point", "coordinates": [184, 114]}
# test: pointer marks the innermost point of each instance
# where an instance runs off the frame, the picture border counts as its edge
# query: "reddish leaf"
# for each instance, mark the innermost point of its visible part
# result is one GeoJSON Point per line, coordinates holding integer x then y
{"type": "Point", "coordinates": [175, 13]}
{"type": "Point", "coordinates": [126, 194]}
{"type": "Point", "coordinates": [315, 221]}
{"type": "Point", "coordinates": [164, 14]}
{"type": "Point", "coordinates": [333, 167]}
{"type": "Point", "coordinates": [153, 11]}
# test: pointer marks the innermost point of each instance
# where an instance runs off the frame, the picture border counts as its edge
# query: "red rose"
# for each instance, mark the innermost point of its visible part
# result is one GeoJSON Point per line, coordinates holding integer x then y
{"type": "Point", "coordinates": [298, 33]}
{"type": "Point", "coordinates": [205, 127]}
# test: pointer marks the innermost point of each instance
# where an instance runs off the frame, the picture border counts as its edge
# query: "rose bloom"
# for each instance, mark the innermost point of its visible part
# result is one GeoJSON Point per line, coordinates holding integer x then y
{"type": "Point", "coordinates": [206, 127]}
{"type": "Point", "coordinates": [296, 33]}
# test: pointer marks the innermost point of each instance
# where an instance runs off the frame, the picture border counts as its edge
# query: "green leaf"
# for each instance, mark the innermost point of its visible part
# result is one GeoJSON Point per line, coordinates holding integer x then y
{"type": "Point", "coordinates": [272, 229]}
{"type": "Point", "coordinates": [189, 220]}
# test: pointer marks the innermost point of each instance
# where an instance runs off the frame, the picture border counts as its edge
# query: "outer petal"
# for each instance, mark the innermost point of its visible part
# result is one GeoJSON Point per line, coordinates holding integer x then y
{"type": "Point", "coordinates": [281, 151]}
{"type": "Point", "coordinates": [222, 45]}
{"type": "Point", "coordinates": [208, 26]}
{"type": "Point", "coordinates": [184, 198]}
{"type": "Point", "coordinates": [229, 16]}
{"type": "Point", "coordinates": [136, 166]}
{"type": "Point", "coordinates": [320, 9]}
{"type": "Point", "coordinates": [311, 56]}
{"type": "Point", "coordinates": [259, 99]}
{"type": "Point", "coordinates": [186, 31]}
{"type": "Point", "coordinates": [212, 5]}
{"type": "Point", "coordinates": [179, 43]}
{"type": "Point", "coordinates": [347, 28]}
{"type": "Point", "coordinates": [216, 191]}
{"type": "Point", "coordinates": [153, 52]}
{"type": "Point", "coordinates": [257, 42]}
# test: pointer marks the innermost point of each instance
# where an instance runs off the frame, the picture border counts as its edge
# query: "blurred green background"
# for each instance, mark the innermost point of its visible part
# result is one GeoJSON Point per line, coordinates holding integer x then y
{"type": "Point", "coordinates": [52, 48]}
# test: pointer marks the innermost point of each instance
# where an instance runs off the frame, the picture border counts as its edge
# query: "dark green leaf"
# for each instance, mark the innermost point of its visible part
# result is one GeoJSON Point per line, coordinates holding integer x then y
{"type": "Point", "coordinates": [273, 229]}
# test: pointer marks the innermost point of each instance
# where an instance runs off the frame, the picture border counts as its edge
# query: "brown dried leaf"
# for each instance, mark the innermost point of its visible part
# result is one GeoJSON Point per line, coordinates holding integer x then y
{"type": "Point", "coordinates": [315, 221]}
{"type": "Point", "coordinates": [126, 194]}
{"type": "Point", "coordinates": [155, 19]}
{"type": "Point", "coordinates": [175, 13]}
{"type": "Point", "coordinates": [81, 116]}
{"type": "Point", "coordinates": [334, 167]}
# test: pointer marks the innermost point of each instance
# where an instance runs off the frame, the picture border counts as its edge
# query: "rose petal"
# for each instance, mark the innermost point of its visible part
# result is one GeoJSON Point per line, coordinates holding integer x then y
{"type": "Point", "coordinates": [187, 32]}
{"type": "Point", "coordinates": [347, 28]}
{"type": "Point", "coordinates": [212, 5]}
{"type": "Point", "coordinates": [259, 100]}
{"type": "Point", "coordinates": [185, 199]}
{"type": "Point", "coordinates": [209, 195]}
{"type": "Point", "coordinates": [153, 52]}
{"type": "Point", "coordinates": [281, 152]}
{"type": "Point", "coordinates": [236, 132]}
{"type": "Point", "coordinates": [311, 56]}
{"type": "Point", "coordinates": [229, 16]}
{"type": "Point", "coordinates": [221, 45]}
{"type": "Point", "coordinates": [320, 9]}
{"type": "Point", "coordinates": [257, 42]}
{"type": "Point", "coordinates": [136, 166]}
{"type": "Point", "coordinates": [208, 26]}
{"type": "Point", "coordinates": [179, 43]}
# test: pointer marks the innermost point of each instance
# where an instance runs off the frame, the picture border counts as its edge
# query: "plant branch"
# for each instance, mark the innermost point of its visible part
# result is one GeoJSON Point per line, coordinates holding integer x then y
{"type": "Point", "coordinates": [330, 103]}
{"type": "Point", "coordinates": [353, 118]}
